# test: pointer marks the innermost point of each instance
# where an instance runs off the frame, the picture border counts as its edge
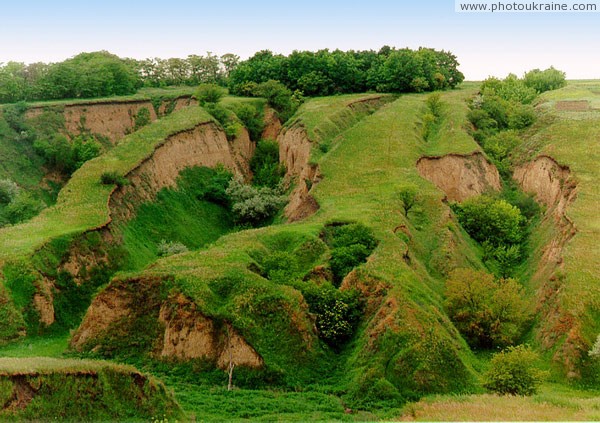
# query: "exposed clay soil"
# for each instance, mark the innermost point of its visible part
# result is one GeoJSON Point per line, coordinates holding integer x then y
{"type": "Point", "coordinates": [294, 152]}
{"type": "Point", "coordinates": [113, 120]}
{"type": "Point", "coordinates": [189, 334]}
{"type": "Point", "coordinates": [205, 145]}
{"type": "Point", "coordinates": [573, 106]}
{"type": "Point", "coordinates": [460, 176]}
{"type": "Point", "coordinates": [108, 307]}
{"type": "Point", "coordinates": [553, 186]}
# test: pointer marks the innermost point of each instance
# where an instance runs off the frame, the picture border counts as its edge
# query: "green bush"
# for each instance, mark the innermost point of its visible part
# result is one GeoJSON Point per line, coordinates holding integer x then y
{"type": "Point", "coordinates": [408, 198]}
{"type": "Point", "coordinates": [252, 117]}
{"type": "Point", "coordinates": [279, 98]}
{"type": "Point", "coordinates": [113, 178]}
{"type": "Point", "coordinates": [67, 156]}
{"type": "Point", "coordinates": [513, 372]}
{"type": "Point", "coordinates": [337, 312]}
{"type": "Point", "coordinates": [487, 312]}
{"type": "Point", "coordinates": [170, 248]}
{"type": "Point", "coordinates": [205, 183]}
{"type": "Point", "coordinates": [254, 205]}
{"type": "Point", "coordinates": [549, 79]}
{"type": "Point", "coordinates": [351, 243]}
{"type": "Point", "coordinates": [141, 118]}
{"type": "Point", "coordinates": [8, 191]}
{"type": "Point", "coordinates": [23, 207]}
{"type": "Point", "coordinates": [491, 220]}
{"type": "Point", "coordinates": [209, 93]}
{"type": "Point", "coordinates": [13, 324]}
{"type": "Point", "coordinates": [265, 165]}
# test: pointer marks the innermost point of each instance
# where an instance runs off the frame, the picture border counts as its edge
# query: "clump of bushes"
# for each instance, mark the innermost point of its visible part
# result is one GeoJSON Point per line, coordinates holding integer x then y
{"type": "Point", "coordinates": [209, 93]}
{"type": "Point", "coordinates": [351, 244]}
{"type": "Point", "coordinates": [337, 312]}
{"type": "Point", "coordinates": [206, 183]}
{"type": "Point", "coordinates": [265, 165]}
{"type": "Point", "coordinates": [16, 205]}
{"type": "Point", "coordinates": [498, 226]}
{"type": "Point", "coordinates": [546, 80]}
{"type": "Point", "coordinates": [252, 116]}
{"type": "Point", "coordinates": [254, 205]}
{"type": "Point", "coordinates": [67, 156]}
{"type": "Point", "coordinates": [432, 116]}
{"type": "Point", "coordinates": [165, 249]}
{"type": "Point", "coordinates": [488, 312]}
{"type": "Point", "coordinates": [513, 372]}
{"type": "Point", "coordinates": [113, 178]}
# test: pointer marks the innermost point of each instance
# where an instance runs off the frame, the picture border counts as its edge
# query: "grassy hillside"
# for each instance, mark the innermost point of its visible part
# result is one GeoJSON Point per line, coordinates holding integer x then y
{"type": "Point", "coordinates": [83, 203]}
{"type": "Point", "coordinates": [405, 346]}
{"type": "Point", "coordinates": [569, 297]}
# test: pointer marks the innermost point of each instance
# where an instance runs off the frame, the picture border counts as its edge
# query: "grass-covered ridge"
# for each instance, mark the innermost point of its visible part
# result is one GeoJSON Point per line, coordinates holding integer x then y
{"type": "Point", "coordinates": [405, 346]}
{"type": "Point", "coordinates": [568, 132]}
{"type": "Point", "coordinates": [48, 388]}
{"type": "Point", "coordinates": [82, 205]}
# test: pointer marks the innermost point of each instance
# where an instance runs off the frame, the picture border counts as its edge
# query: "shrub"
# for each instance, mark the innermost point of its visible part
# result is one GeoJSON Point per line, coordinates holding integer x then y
{"type": "Point", "coordinates": [491, 220]}
{"type": "Point", "coordinates": [205, 183]}
{"type": "Point", "coordinates": [165, 249]}
{"type": "Point", "coordinates": [209, 93]}
{"type": "Point", "coordinates": [279, 98]}
{"type": "Point", "coordinates": [254, 205]}
{"type": "Point", "coordinates": [487, 312]}
{"type": "Point", "coordinates": [13, 324]}
{"type": "Point", "coordinates": [351, 245]}
{"type": "Point", "coordinates": [141, 118]}
{"type": "Point", "coordinates": [549, 79]}
{"type": "Point", "coordinates": [252, 118]}
{"type": "Point", "coordinates": [513, 372]}
{"type": "Point", "coordinates": [280, 267]}
{"type": "Point", "coordinates": [337, 312]}
{"type": "Point", "coordinates": [8, 191]}
{"type": "Point", "coordinates": [23, 207]}
{"type": "Point", "coordinates": [265, 164]}
{"type": "Point", "coordinates": [113, 178]}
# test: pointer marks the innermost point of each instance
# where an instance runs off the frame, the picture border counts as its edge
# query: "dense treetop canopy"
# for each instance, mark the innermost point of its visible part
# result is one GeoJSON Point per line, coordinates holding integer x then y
{"type": "Point", "coordinates": [101, 74]}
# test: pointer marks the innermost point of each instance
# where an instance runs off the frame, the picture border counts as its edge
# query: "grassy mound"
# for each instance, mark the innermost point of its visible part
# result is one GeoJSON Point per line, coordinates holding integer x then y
{"type": "Point", "coordinates": [80, 390]}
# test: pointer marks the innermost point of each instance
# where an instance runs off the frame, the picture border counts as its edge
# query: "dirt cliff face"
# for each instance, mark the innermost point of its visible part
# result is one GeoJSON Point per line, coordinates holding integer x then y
{"type": "Point", "coordinates": [554, 187]}
{"type": "Point", "coordinates": [272, 125]}
{"type": "Point", "coordinates": [205, 145]}
{"type": "Point", "coordinates": [189, 334]}
{"type": "Point", "coordinates": [112, 120]}
{"type": "Point", "coordinates": [109, 306]}
{"type": "Point", "coordinates": [294, 153]}
{"type": "Point", "coordinates": [460, 176]}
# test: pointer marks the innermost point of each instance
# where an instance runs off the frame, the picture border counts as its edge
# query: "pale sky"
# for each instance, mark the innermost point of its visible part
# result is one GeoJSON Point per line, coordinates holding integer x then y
{"type": "Point", "coordinates": [486, 44]}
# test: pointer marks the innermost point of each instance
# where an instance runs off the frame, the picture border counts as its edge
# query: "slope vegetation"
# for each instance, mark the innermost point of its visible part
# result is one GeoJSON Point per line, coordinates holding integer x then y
{"type": "Point", "coordinates": [404, 345]}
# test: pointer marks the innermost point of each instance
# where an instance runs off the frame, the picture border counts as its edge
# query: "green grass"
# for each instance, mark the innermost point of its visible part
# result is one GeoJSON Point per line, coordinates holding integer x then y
{"type": "Point", "coordinates": [571, 138]}
{"type": "Point", "coordinates": [46, 346]}
{"type": "Point", "coordinates": [371, 157]}
{"type": "Point", "coordinates": [174, 217]}
{"type": "Point", "coordinates": [166, 93]}
{"type": "Point", "coordinates": [83, 203]}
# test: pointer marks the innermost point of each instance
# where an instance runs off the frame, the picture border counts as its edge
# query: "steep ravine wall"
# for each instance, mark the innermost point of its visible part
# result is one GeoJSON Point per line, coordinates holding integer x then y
{"type": "Point", "coordinates": [460, 176]}
{"type": "Point", "coordinates": [113, 120]}
{"type": "Point", "coordinates": [294, 153]}
{"type": "Point", "coordinates": [553, 186]}
{"type": "Point", "coordinates": [205, 145]}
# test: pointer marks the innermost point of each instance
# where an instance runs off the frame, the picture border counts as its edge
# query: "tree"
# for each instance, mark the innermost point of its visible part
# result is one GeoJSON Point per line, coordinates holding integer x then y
{"type": "Point", "coordinates": [513, 372]}
{"type": "Point", "coordinates": [488, 312]}
{"type": "Point", "coordinates": [408, 198]}
{"type": "Point", "coordinates": [491, 220]}
{"type": "Point", "coordinates": [209, 93]}
{"type": "Point", "coordinates": [549, 79]}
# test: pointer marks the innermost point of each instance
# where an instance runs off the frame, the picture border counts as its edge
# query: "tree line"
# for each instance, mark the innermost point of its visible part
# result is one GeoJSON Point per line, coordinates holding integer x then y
{"type": "Point", "coordinates": [102, 74]}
